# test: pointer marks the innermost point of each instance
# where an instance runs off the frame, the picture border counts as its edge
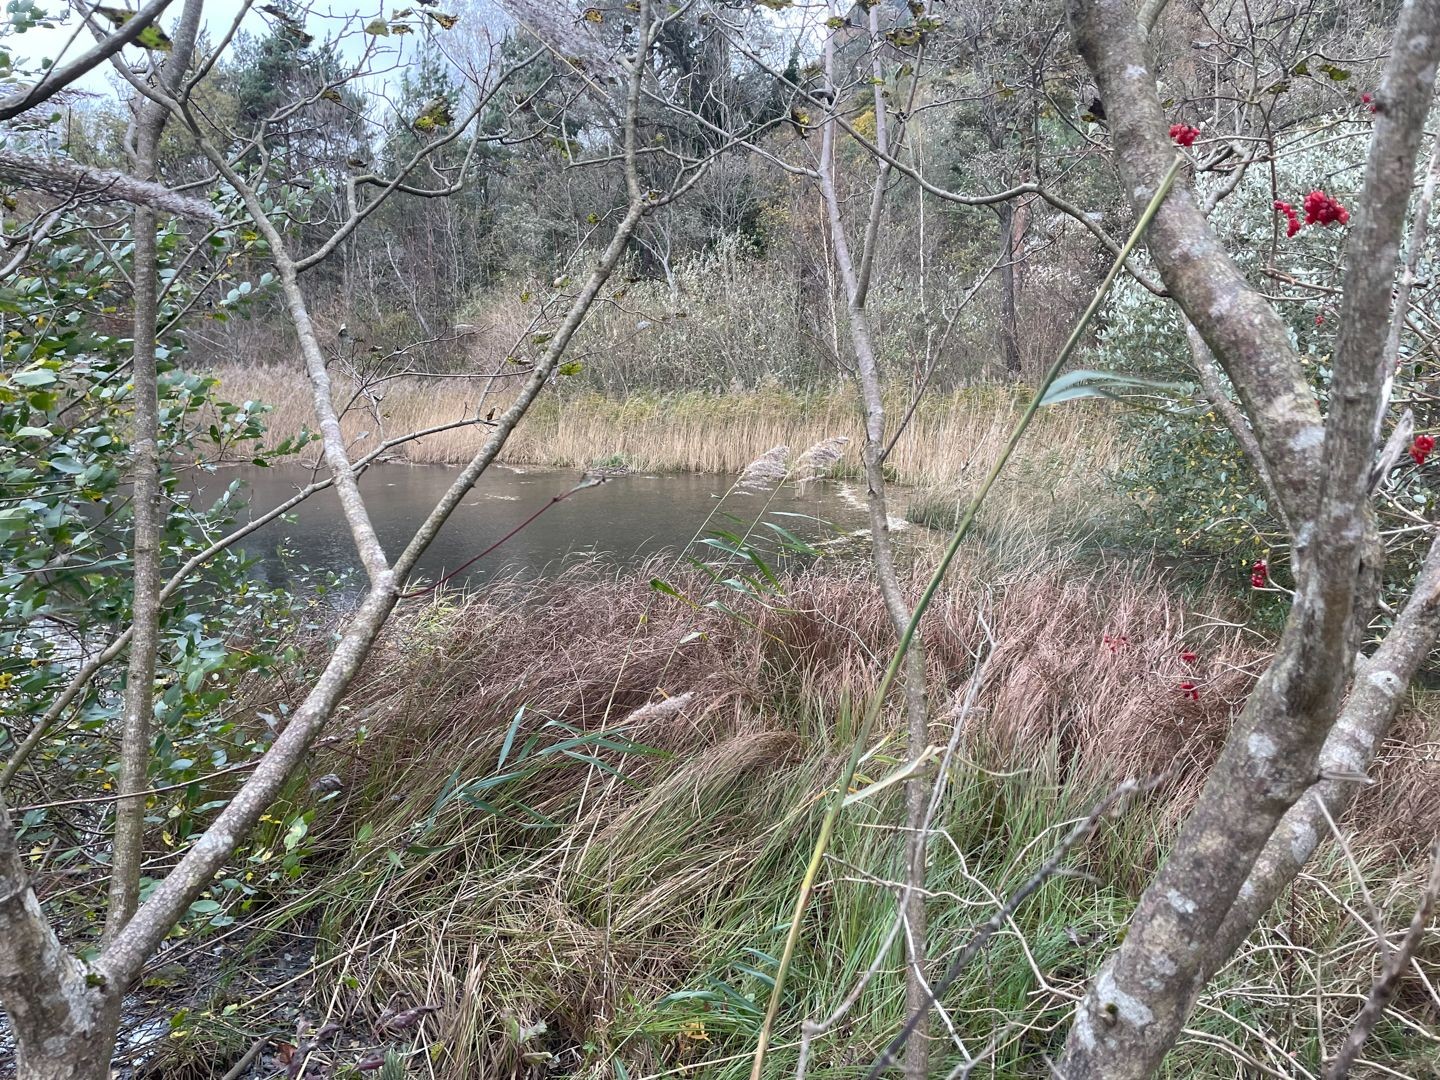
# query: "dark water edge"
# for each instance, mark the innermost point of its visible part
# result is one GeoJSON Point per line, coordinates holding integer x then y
{"type": "Point", "coordinates": [621, 523]}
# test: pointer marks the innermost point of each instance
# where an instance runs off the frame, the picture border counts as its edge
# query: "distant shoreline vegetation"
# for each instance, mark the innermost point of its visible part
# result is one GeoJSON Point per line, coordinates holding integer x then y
{"type": "Point", "coordinates": [950, 437]}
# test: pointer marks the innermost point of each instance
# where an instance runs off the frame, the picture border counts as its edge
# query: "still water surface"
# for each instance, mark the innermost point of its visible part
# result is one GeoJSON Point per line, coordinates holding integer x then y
{"type": "Point", "coordinates": [624, 520]}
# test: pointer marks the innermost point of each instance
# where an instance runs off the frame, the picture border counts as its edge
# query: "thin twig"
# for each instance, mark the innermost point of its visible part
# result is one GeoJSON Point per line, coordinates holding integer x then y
{"type": "Point", "coordinates": [1389, 980]}
{"type": "Point", "coordinates": [1047, 870]}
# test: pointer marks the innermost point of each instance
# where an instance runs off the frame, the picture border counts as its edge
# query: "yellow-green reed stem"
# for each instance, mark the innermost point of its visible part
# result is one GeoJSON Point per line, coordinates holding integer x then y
{"type": "Point", "coordinates": [862, 736]}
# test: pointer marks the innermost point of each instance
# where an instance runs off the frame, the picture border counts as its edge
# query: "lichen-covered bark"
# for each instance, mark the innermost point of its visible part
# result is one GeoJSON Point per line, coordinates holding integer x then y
{"type": "Point", "coordinates": [139, 707]}
{"type": "Point", "coordinates": [63, 1028]}
{"type": "Point", "coordinates": [1349, 751]}
{"type": "Point", "coordinates": [1139, 1001]}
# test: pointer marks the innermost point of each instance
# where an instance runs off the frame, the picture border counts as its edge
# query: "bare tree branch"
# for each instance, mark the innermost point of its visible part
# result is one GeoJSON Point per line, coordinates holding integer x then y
{"type": "Point", "coordinates": [1211, 383]}
{"type": "Point", "coordinates": [982, 935]}
{"type": "Point", "coordinates": [57, 78]}
{"type": "Point", "coordinates": [123, 957]}
{"type": "Point", "coordinates": [1389, 981]}
{"type": "Point", "coordinates": [1349, 751]}
{"type": "Point", "coordinates": [61, 176]}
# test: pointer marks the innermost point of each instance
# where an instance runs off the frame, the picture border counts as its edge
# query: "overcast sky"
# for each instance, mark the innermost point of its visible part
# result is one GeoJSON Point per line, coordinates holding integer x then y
{"type": "Point", "coordinates": [480, 21]}
{"type": "Point", "coordinates": [62, 41]}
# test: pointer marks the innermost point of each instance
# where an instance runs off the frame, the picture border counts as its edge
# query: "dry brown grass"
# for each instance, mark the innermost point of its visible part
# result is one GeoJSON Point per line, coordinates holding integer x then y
{"type": "Point", "coordinates": [1088, 663]}
{"type": "Point", "coordinates": [952, 440]}
{"type": "Point", "coordinates": [1085, 665]}
{"type": "Point", "coordinates": [642, 883]}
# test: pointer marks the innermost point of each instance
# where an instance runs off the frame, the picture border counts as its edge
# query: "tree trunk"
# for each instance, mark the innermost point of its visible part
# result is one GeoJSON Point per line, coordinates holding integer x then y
{"type": "Point", "coordinates": [1140, 1000]}
{"type": "Point", "coordinates": [139, 709]}
{"type": "Point", "coordinates": [856, 277]}
{"type": "Point", "coordinates": [63, 1027]}
{"type": "Point", "coordinates": [1009, 341]}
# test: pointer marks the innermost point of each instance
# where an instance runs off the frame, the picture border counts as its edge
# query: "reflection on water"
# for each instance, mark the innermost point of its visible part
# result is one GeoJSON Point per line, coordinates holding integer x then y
{"type": "Point", "coordinates": [624, 520]}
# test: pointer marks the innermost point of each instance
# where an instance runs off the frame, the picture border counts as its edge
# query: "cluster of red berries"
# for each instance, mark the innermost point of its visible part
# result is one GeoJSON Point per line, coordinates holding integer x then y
{"type": "Point", "coordinates": [1259, 574]}
{"type": "Point", "coordinates": [1292, 218]}
{"type": "Point", "coordinates": [1184, 134]}
{"type": "Point", "coordinates": [1187, 686]}
{"type": "Point", "coordinates": [1421, 447]}
{"type": "Point", "coordinates": [1368, 100]}
{"type": "Point", "coordinates": [1322, 209]}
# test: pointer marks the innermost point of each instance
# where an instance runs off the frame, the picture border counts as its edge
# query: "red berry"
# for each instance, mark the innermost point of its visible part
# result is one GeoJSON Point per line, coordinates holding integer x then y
{"type": "Point", "coordinates": [1420, 449]}
{"type": "Point", "coordinates": [1259, 573]}
{"type": "Point", "coordinates": [1292, 219]}
{"type": "Point", "coordinates": [1184, 134]}
{"type": "Point", "coordinates": [1190, 690]}
{"type": "Point", "coordinates": [1322, 209]}
{"type": "Point", "coordinates": [1189, 657]}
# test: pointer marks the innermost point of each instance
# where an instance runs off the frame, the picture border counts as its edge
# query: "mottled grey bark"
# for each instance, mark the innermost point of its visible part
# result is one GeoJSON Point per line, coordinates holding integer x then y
{"type": "Point", "coordinates": [127, 848]}
{"type": "Point", "coordinates": [61, 176]}
{"type": "Point", "coordinates": [1138, 1003]}
{"type": "Point", "coordinates": [63, 1029]}
{"type": "Point", "coordinates": [1349, 751]}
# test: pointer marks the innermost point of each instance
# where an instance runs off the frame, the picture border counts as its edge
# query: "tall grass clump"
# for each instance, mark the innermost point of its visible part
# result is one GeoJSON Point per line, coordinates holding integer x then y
{"type": "Point", "coordinates": [573, 818]}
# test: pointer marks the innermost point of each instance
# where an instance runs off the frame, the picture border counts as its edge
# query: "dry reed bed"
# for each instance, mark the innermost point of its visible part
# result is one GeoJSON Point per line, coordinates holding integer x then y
{"type": "Point", "coordinates": [1091, 664]}
{"type": "Point", "coordinates": [644, 880]}
{"type": "Point", "coordinates": [952, 439]}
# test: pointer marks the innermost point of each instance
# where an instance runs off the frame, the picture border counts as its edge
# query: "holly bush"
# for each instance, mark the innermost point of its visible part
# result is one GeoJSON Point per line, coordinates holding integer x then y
{"type": "Point", "coordinates": [66, 525]}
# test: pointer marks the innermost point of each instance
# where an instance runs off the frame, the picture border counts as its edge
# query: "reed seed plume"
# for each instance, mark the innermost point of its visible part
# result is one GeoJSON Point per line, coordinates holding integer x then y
{"type": "Point", "coordinates": [817, 462]}
{"type": "Point", "coordinates": [765, 472]}
{"type": "Point", "coordinates": [659, 710]}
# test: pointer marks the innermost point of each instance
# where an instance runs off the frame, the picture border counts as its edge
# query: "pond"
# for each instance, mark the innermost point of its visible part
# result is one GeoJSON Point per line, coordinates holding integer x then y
{"type": "Point", "coordinates": [623, 521]}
